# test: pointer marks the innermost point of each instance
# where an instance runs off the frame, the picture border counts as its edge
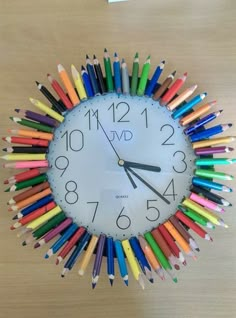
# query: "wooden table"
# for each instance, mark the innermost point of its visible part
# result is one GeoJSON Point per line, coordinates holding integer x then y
{"type": "Point", "coordinates": [197, 36]}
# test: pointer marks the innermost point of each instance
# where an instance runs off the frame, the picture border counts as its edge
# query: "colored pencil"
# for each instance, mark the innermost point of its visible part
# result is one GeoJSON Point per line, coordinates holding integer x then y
{"type": "Point", "coordinates": [87, 82]}
{"type": "Point", "coordinates": [201, 122]}
{"type": "Point", "coordinates": [134, 78]}
{"type": "Point", "coordinates": [32, 134]}
{"type": "Point", "coordinates": [98, 259]}
{"type": "Point", "coordinates": [110, 260]}
{"type": "Point", "coordinates": [212, 150]}
{"type": "Point", "coordinates": [209, 132]}
{"type": "Point", "coordinates": [188, 106]}
{"type": "Point", "coordinates": [37, 117]}
{"type": "Point", "coordinates": [28, 183]}
{"type": "Point", "coordinates": [108, 71]}
{"type": "Point", "coordinates": [193, 226]}
{"type": "Point", "coordinates": [196, 217]}
{"type": "Point", "coordinates": [181, 98]}
{"type": "Point", "coordinates": [151, 257]}
{"type": "Point", "coordinates": [47, 110]}
{"type": "Point", "coordinates": [125, 78]}
{"type": "Point", "coordinates": [117, 74]}
{"type": "Point", "coordinates": [212, 142]}
{"type": "Point", "coordinates": [132, 262]}
{"type": "Point", "coordinates": [211, 185]}
{"type": "Point", "coordinates": [54, 232]}
{"type": "Point", "coordinates": [78, 83]}
{"type": "Point", "coordinates": [151, 85]}
{"type": "Point", "coordinates": [70, 244]}
{"type": "Point", "coordinates": [27, 164]}
{"type": "Point", "coordinates": [165, 247]}
{"type": "Point", "coordinates": [26, 141]}
{"type": "Point", "coordinates": [87, 255]}
{"type": "Point", "coordinates": [161, 89]}
{"type": "Point", "coordinates": [144, 77]}
{"type": "Point", "coordinates": [23, 176]}
{"type": "Point", "coordinates": [172, 91]}
{"type": "Point", "coordinates": [60, 108]}
{"type": "Point", "coordinates": [121, 261]}
{"type": "Point", "coordinates": [60, 92]}
{"type": "Point", "coordinates": [25, 149]}
{"type": "Point", "coordinates": [69, 232]}
{"type": "Point", "coordinates": [212, 174]}
{"type": "Point", "coordinates": [92, 76]}
{"type": "Point", "coordinates": [172, 244]}
{"type": "Point", "coordinates": [210, 195]}
{"type": "Point", "coordinates": [76, 253]}
{"type": "Point", "coordinates": [159, 254]}
{"type": "Point", "coordinates": [22, 156]}
{"type": "Point", "coordinates": [141, 258]}
{"type": "Point", "coordinates": [68, 85]}
{"type": "Point", "coordinates": [99, 75]}
{"type": "Point", "coordinates": [214, 161]}
{"type": "Point", "coordinates": [205, 202]}
{"type": "Point", "coordinates": [32, 124]}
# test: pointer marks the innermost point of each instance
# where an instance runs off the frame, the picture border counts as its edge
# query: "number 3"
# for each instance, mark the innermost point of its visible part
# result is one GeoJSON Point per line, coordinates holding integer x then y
{"type": "Point", "coordinates": [184, 164]}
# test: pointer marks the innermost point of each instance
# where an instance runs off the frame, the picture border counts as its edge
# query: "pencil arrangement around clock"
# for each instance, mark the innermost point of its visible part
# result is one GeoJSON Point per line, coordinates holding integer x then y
{"type": "Point", "coordinates": [40, 219]}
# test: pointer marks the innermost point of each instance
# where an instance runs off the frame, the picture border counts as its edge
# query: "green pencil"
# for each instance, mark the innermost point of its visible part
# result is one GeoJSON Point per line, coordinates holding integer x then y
{"type": "Point", "coordinates": [134, 80]}
{"type": "Point", "coordinates": [32, 124]}
{"type": "Point", "coordinates": [28, 183]}
{"type": "Point", "coordinates": [108, 71]}
{"type": "Point", "coordinates": [211, 174]}
{"type": "Point", "coordinates": [214, 161]}
{"type": "Point", "coordinates": [159, 254]}
{"type": "Point", "coordinates": [144, 77]}
{"type": "Point", "coordinates": [197, 217]}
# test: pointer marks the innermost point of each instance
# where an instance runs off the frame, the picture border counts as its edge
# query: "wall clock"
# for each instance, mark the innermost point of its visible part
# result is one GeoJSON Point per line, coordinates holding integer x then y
{"type": "Point", "coordinates": [129, 171]}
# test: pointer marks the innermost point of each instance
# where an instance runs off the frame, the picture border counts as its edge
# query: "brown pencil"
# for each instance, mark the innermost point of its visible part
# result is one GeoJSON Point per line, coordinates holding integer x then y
{"type": "Point", "coordinates": [160, 91]}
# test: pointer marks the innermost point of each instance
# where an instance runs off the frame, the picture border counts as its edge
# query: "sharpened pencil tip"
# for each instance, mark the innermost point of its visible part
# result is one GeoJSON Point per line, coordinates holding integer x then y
{"type": "Point", "coordinates": [136, 55]}
{"type": "Point", "coordinates": [87, 57]}
{"type": "Point", "coordinates": [7, 190]}
{"type": "Point", "coordinates": [12, 227]}
{"type": "Point", "coordinates": [197, 249]}
{"type": "Point", "coordinates": [94, 57]}
{"type": "Point", "coordinates": [36, 245]}
{"type": "Point", "coordinates": [62, 275]}
{"type": "Point", "coordinates": [17, 110]}
{"type": "Point", "coordinates": [176, 266]}
{"type": "Point", "coordinates": [24, 243]}
{"type": "Point", "coordinates": [184, 263]}
{"type": "Point", "coordinates": [126, 282]}
{"type": "Point", "coordinates": [173, 74]}
{"type": "Point", "coordinates": [175, 280]}
{"type": "Point", "coordinates": [37, 83]}
{"type": "Point", "coordinates": [115, 54]}
{"type": "Point", "coordinates": [4, 149]}
{"type": "Point", "coordinates": [82, 68]}
{"type": "Point", "coordinates": [15, 217]}
{"type": "Point", "coordinates": [111, 281]}
{"type": "Point", "coordinates": [46, 256]}
{"type": "Point", "coordinates": [57, 261]}
{"type": "Point", "coordinates": [93, 285]}
{"type": "Point", "coordinates": [151, 280]}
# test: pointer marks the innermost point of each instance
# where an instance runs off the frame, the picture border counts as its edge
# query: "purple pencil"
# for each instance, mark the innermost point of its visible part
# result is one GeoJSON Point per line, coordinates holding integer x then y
{"type": "Point", "coordinates": [212, 150]}
{"type": "Point", "coordinates": [54, 232]}
{"type": "Point", "coordinates": [98, 260]}
{"type": "Point", "coordinates": [37, 117]}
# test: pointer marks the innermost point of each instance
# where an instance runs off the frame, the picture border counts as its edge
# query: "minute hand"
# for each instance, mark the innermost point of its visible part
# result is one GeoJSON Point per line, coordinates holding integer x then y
{"type": "Point", "coordinates": [148, 185]}
{"type": "Point", "coordinates": [129, 164]}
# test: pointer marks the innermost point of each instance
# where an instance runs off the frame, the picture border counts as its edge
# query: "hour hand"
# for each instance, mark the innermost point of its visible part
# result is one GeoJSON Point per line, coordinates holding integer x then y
{"type": "Point", "coordinates": [130, 164]}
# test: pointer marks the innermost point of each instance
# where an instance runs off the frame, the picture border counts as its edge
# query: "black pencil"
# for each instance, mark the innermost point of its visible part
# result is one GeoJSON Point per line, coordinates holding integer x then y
{"type": "Point", "coordinates": [25, 149]}
{"type": "Point", "coordinates": [100, 78]}
{"type": "Point", "coordinates": [210, 195]}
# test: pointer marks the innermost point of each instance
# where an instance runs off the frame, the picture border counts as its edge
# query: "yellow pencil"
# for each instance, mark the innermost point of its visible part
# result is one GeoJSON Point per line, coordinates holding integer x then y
{"type": "Point", "coordinates": [47, 110]}
{"type": "Point", "coordinates": [132, 262]}
{"type": "Point", "coordinates": [87, 255]}
{"type": "Point", "coordinates": [44, 218]}
{"type": "Point", "coordinates": [212, 142]}
{"type": "Point", "coordinates": [15, 156]}
{"type": "Point", "coordinates": [78, 83]}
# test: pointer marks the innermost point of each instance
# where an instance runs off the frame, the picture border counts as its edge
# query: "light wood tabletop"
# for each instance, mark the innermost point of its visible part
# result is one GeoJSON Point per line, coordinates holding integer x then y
{"type": "Point", "coordinates": [194, 36]}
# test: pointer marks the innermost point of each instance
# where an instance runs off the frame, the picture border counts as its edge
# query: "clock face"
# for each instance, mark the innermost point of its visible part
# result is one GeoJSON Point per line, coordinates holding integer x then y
{"type": "Point", "coordinates": [87, 172]}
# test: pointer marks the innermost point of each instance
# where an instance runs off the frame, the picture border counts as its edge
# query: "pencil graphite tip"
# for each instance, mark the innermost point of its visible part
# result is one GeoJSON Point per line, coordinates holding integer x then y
{"type": "Point", "coordinates": [82, 68]}
{"type": "Point", "coordinates": [36, 245]}
{"type": "Point", "coordinates": [175, 280]}
{"type": "Point", "coordinates": [126, 282]}
{"type": "Point", "coordinates": [151, 280]}
{"type": "Point", "coordinates": [105, 50]}
{"type": "Point", "coordinates": [111, 281]}
{"type": "Point", "coordinates": [24, 243]}
{"type": "Point", "coordinates": [136, 55]}
{"type": "Point", "coordinates": [176, 266]}
{"type": "Point", "coordinates": [93, 285]}
{"type": "Point", "coordinates": [94, 57]}
{"type": "Point", "coordinates": [7, 190]}
{"type": "Point", "coordinates": [12, 227]}
{"type": "Point", "coordinates": [15, 217]}
{"type": "Point", "coordinates": [149, 56]}
{"type": "Point", "coordinates": [37, 83]}
{"type": "Point", "coordinates": [87, 57]}
{"type": "Point", "coordinates": [115, 54]}
{"type": "Point", "coordinates": [17, 110]}
{"type": "Point", "coordinates": [163, 62]}
{"type": "Point", "coordinates": [173, 74]}
{"type": "Point", "coordinates": [230, 125]}
{"type": "Point", "coordinates": [185, 74]}
{"type": "Point", "coordinates": [184, 263]}
{"type": "Point", "coordinates": [122, 61]}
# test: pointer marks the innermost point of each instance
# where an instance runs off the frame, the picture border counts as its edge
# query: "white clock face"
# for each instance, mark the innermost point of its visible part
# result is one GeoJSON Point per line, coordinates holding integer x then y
{"type": "Point", "coordinates": [90, 183]}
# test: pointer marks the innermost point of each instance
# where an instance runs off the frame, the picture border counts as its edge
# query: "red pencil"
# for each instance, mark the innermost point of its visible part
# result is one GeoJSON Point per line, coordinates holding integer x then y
{"type": "Point", "coordinates": [27, 141]}
{"type": "Point", "coordinates": [173, 90]}
{"type": "Point", "coordinates": [23, 176]}
{"type": "Point", "coordinates": [60, 92]}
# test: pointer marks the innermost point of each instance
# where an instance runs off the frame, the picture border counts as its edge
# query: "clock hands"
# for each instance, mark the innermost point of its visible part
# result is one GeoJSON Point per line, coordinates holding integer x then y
{"type": "Point", "coordinates": [130, 178]}
{"type": "Point", "coordinates": [148, 185]}
{"type": "Point", "coordinates": [129, 164]}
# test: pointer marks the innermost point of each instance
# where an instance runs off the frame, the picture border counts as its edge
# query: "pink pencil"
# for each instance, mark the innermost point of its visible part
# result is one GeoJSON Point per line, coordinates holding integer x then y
{"type": "Point", "coordinates": [27, 164]}
{"type": "Point", "coordinates": [206, 203]}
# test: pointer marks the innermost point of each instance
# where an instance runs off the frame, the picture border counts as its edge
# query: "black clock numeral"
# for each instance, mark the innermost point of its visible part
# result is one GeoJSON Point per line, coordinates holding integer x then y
{"type": "Point", "coordinates": [95, 211]}
{"type": "Point", "coordinates": [183, 165]}
{"type": "Point", "coordinates": [90, 114]}
{"type": "Point", "coordinates": [121, 219]}
{"type": "Point", "coordinates": [157, 212]}
{"type": "Point", "coordinates": [144, 112]}
{"type": "Point", "coordinates": [71, 195]}
{"type": "Point", "coordinates": [168, 192]}
{"type": "Point", "coordinates": [74, 140]}
{"type": "Point", "coordinates": [114, 110]}
{"type": "Point", "coordinates": [62, 163]}
{"type": "Point", "coordinates": [171, 129]}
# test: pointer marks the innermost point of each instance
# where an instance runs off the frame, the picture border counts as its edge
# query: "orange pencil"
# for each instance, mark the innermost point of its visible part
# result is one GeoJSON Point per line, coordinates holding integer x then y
{"type": "Point", "coordinates": [68, 85]}
{"type": "Point", "coordinates": [32, 134]}
{"type": "Point", "coordinates": [182, 97]}
{"type": "Point", "coordinates": [30, 200]}
{"type": "Point", "coordinates": [179, 239]}
{"type": "Point", "coordinates": [197, 113]}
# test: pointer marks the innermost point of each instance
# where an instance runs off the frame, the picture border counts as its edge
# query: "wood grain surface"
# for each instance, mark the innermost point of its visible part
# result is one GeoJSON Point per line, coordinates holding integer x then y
{"type": "Point", "coordinates": [194, 36]}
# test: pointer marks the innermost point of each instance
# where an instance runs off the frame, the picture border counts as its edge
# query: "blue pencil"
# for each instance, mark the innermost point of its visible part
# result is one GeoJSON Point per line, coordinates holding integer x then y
{"type": "Point", "coordinates": [121, 261]}
{"type": "Point", "coordinates": [110, 260]}
{"type": "Point", "coordinates": [143, 263]}
{"type": "Point", "coordinates": [87, 82]}
{"type": "Point", "coordinates": [76, 253]}
{"type": "Point", "coordinates": [154, 79]}
{"type": "Point", "coordinates": [210, 184]}
{"type": "Point", "coordinates": [92, 76]}
{"type": "Point", "coordinates": [209, 132]}
{"type": "Point", "coordinates": [117, 74]}
{"type": "Point", "coordinates": [31, 208]}
{"type": "Point", "coordinates": [188, 106]}
{"type": "Point", "coordinates": [62, 240]}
